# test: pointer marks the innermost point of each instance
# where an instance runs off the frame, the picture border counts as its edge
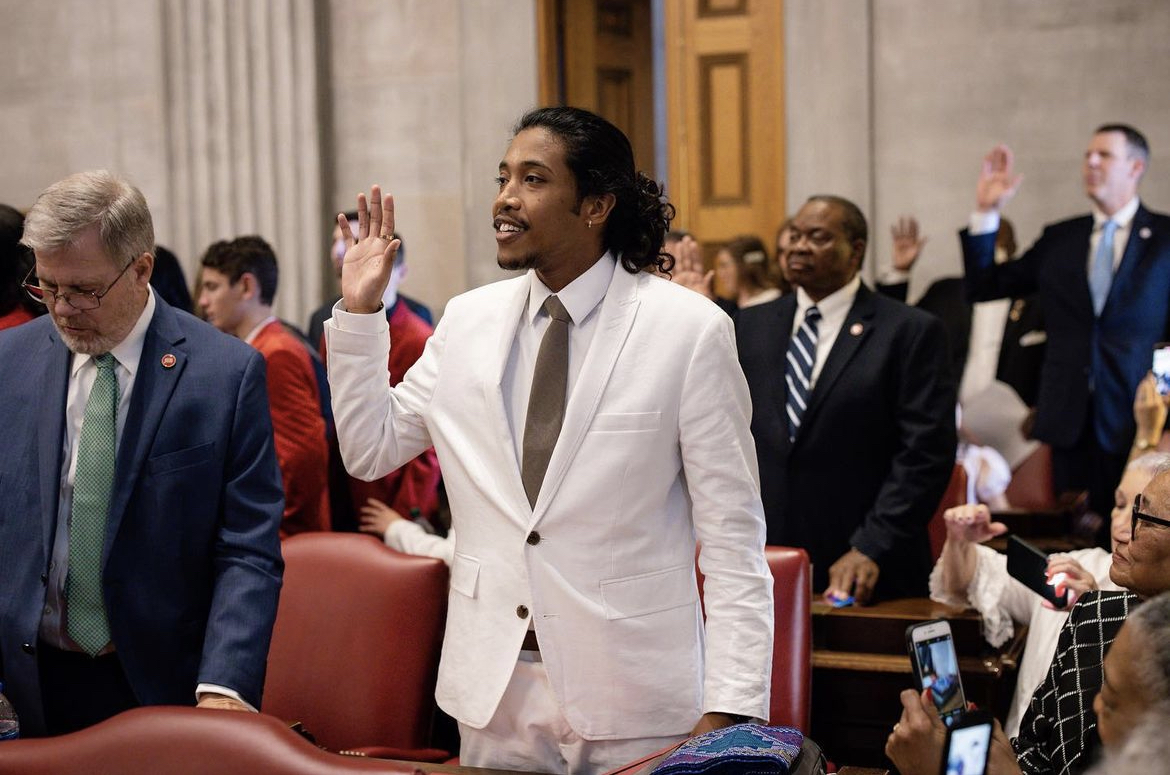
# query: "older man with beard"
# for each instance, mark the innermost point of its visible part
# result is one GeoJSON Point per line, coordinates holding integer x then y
{"type": "Point", "coordinates": [140, 493]}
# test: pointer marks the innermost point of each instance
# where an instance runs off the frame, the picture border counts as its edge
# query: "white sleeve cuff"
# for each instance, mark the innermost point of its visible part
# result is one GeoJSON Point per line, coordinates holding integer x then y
{"type": "Point", "coordinates": [202, 689]}
{"type": "Point", "coordinates": [894, 276]}
{"type": "Point", "coordinates": [399, 533]}
{"type": "Point", "coordinates": [983, 223]}
{"type": "Point", "coordinates": [359, 323]}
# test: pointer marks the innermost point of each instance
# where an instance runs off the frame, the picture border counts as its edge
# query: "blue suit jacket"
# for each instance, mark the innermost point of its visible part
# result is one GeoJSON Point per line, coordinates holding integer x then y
{"type": "Point", "coordinates": [876, 445]}
{"type": "Point", "coordinates": [192, 557]}
{"type": "Point", "coordinates": [1113, 352]}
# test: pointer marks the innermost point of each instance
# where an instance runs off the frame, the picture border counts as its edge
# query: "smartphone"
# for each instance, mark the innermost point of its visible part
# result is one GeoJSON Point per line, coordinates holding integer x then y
{"type": "Point", "coordinates": [968, 744]}
{"type": "Point", "coordinates": [936, 666]}
{"type": "Point", "coordinates": [1161, 368]}
{"type": "Point", "coordinates": [1029, 566]}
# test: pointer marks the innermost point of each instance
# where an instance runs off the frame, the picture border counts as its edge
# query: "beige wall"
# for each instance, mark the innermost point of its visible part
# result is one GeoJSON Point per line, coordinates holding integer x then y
{"type": "Point", "coordinates": [422, 95]}
{"type": "Point", "coordinates": [939, 82]}
{"type": "Point", "coordinates": [425, 92]}
{"type": "Point", "coordinates": [891, 102]}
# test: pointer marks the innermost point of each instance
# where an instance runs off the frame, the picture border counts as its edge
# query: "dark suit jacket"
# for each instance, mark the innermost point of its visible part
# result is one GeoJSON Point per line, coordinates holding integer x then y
{"type": "Point", "coordinates": [1112, 352]}
{"type": "Point", "coordinates": [192, 559]}
{"type": "Point", "coordinates": [876, 446]}
{"type": "Point", "coordinates": [1019, 359]}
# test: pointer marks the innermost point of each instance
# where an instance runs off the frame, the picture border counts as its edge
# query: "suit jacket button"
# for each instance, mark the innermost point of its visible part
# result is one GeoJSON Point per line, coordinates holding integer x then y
{"type": "Point", "coordinates": [533, 538]}
{"type": "Point", "coordinates": [44, 578]}
{"type": "Point", "coordinates": [28, 648]}
{"type": "Point", "coordinates": [522, 611]}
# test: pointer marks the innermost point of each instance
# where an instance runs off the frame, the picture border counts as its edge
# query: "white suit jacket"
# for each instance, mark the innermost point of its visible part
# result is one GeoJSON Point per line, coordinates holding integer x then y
{"type": "Point", "coordinates": [654, 453]}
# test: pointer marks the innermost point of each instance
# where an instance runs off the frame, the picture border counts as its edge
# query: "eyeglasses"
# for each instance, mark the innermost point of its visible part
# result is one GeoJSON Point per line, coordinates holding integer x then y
{"type": "Point", "coordinates": [1139, 515]}
{"type": "Point", "coordinates": [79, 300]}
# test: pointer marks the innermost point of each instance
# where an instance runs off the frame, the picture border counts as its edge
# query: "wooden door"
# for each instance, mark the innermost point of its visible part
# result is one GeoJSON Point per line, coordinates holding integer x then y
{"type": "Point", "coordinates": [596, 54]}
{"type": "Point", "coordinates": [725, 117]}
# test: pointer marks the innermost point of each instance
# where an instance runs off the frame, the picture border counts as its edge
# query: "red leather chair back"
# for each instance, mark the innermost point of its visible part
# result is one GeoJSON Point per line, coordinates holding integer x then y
{"type": "Point", "coordinates": [355, 650]}
{"type": "Point", "coordinates": [792, 647]}
{"type": "Point", "coordinates": [792, 652]}
{"type": "Point", "coordinates": [955, 495]}
{"type": "Point", "coordinates": [182, 741]}
{"type": "Point", "coordinates": [1031, 485]}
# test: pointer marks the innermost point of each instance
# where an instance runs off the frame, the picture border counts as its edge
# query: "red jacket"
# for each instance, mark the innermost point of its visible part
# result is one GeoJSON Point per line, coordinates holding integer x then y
{"type": "Point", "coordinates": [299, 429]}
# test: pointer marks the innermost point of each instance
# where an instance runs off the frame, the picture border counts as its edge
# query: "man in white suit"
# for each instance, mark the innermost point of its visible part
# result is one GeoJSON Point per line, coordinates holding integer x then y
{"type": "Point", "coordinates": [575, 640]}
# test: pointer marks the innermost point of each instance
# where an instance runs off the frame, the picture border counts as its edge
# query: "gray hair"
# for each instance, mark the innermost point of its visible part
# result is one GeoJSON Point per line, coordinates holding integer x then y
{"type": "Point", "coordinates": [1151, 463]}
{"type": "Point", "coordinates": [70, 206]}
{"type": "Point", "coordinates": [1151, 621]}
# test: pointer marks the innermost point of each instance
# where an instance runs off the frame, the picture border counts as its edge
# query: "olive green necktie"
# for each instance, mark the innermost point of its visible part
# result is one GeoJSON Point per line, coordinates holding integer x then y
{"type": "Point", "coordinates": [546, 401]}
{"type": "Point", "coordinates": [93, 483]}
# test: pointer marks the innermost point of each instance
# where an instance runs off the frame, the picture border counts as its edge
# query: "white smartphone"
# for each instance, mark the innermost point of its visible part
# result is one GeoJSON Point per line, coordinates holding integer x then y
{"type": "Point", "coordinates": [936, 666]}
{"type": "Point", "coordinates": [1161, 368]}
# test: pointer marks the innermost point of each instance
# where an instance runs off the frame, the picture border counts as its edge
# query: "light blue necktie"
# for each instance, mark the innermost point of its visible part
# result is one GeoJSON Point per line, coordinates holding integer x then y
{"type": "Point", "coordinates": [93, 483]}
{"type": "Point", "coordinates": [798, 368]}
{"type": "Point", "coordinates": [1102, 275]}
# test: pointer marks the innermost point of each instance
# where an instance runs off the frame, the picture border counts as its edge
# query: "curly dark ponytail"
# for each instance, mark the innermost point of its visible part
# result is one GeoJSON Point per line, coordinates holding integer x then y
{"type": "Point", "coordinates": [602, 161]}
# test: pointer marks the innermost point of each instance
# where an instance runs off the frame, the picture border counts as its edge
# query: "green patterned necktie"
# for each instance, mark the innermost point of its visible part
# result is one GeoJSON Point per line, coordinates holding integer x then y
{"type": "Point", "coordinates": [93, 483]}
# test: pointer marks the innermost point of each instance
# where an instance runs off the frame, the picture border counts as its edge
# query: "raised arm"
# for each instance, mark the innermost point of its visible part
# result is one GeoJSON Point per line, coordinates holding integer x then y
{"type": "Point", "coordinates": [907, 243]}
{"type": "Point", "coordinates": [998, 181]}
{"type": "Point", "coordinates": [369, 255]}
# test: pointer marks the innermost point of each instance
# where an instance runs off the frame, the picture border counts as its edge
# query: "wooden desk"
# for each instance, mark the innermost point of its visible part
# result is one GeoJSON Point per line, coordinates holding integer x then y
{"type": "Point", "coordinates": [860, 666]}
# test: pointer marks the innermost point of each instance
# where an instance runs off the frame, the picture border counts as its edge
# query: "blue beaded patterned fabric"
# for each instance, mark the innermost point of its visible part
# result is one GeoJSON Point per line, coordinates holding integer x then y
{"type": "Point", "coordinates": [742, 749]}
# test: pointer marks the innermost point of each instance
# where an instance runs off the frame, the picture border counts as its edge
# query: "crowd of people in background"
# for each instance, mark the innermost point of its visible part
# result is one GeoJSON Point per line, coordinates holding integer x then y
{"type": "Point", "coordinates": [839, 381]}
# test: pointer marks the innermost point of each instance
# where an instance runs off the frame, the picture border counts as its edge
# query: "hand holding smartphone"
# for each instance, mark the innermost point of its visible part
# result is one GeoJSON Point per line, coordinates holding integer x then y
{"type": "Point", "coordinates": [1029, 566]}
{"type": "Point", "coordinates": [936, 667]}
{"type": "Point", "coordinates": [968, 744]}
{"type": "Point", "coordinates": [1161, 368]}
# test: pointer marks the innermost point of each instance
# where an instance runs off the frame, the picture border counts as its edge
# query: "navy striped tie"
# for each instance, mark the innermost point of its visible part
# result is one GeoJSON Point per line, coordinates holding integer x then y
{"type": "Point", "coordinates": [802, 354]}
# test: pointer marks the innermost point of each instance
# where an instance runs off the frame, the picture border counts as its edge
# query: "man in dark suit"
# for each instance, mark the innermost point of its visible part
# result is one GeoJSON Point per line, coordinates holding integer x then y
{"type": "Point", "coordinates": [853, 413]}
{"type": "Point", "coordinates": [1104, 281]}
{"type": "Point", "coordinates": [999, 340]}
{"type": "Point", "coordinates": [140, 492]}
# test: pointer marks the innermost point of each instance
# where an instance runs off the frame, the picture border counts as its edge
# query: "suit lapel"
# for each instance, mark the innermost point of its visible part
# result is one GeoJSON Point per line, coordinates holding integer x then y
{"type": "Point", "coordinates": [153, 387]}
{"type": "Point", "coordinates": [616, 316]}
{"type": "Point", "coordinates": [854, 331]}
{"type": "Point", "coordinates": [1135, 251]}
{"type": "Point", "coordinates": [511, 484]}
{"type": "Point", "coordinates": [786, 316]}
{"type": "Point", "coordinates": [1077, 252]}
{"type": "Point", "coordinates": [55, 379]}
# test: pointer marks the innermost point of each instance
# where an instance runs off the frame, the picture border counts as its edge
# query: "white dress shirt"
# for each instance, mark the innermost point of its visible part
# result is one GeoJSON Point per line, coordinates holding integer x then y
{"type": "Point", "coordinates": [82, 374]}
{"type": "Point", "coordinates": [834, 309]}
{"type": "Point", "coordinates": [582, 298]}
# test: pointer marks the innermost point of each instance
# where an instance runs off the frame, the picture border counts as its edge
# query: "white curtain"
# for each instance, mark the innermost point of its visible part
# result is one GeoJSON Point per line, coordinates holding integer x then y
{"type": "Point", "coordinates": [243, 135]}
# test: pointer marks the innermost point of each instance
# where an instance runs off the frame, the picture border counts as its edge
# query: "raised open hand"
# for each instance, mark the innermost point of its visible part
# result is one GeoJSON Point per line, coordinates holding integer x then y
{"type": "Point", "coordinates": [688, 268]}
{"type": "Point", "coordinates": [369, 255]}
{"type": "Point", "coordinates": [998, 180]}
{"type": "Point", "coordinates": [907, 242]}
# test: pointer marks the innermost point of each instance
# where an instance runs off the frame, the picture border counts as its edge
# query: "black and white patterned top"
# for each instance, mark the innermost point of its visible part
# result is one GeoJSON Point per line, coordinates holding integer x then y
{"type": "Point", "coordinates": [1058, 734]}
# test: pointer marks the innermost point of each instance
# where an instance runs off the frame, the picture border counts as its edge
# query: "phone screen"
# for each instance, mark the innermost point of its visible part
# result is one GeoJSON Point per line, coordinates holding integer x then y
{"type": "Point", "coordinates": [938, 670]}
{"type": "Point", "coordinates": [967, 749]}
{"type": "Point", "coordinates": [1029, 566]}
{"type": "Point", "coordinates": [1161, 369]}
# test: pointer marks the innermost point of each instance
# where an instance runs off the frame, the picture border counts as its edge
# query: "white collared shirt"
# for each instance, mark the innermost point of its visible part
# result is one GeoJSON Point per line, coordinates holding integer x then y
{"type": "Point", "coordinates": [834, 309]}
{"type": "Point", "coordinates": [1124, 220]}
{"type": "Point", "coordinates": [82, 374]}
{"type": "Point", "coordinates": [582, 299]}
{"type": "Point", "coordinates": [259, 327]}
